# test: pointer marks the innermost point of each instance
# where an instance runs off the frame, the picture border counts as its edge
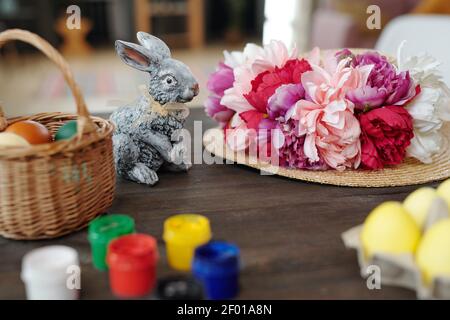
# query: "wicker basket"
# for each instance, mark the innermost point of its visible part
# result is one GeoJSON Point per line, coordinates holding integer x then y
{"type": "Point", "coordinates": [53, 189]}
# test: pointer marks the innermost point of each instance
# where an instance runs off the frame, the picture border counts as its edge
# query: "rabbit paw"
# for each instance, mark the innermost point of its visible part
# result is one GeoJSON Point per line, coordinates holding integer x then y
{"type": "Point", "coordinates": [143, 174]}
{"type": "Point", "coordinates": [160, 142]}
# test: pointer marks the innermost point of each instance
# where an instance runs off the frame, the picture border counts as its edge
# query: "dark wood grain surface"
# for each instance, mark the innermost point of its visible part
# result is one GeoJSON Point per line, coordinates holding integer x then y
{"type": "Point", "coordinates": [288, 231]}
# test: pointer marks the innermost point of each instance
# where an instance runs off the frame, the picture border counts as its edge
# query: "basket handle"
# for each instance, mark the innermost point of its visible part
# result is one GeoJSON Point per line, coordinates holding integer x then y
{"type": "Point", "coordinates": [3, 122]}
{"type": "Point", "coordinates": [85, 123]}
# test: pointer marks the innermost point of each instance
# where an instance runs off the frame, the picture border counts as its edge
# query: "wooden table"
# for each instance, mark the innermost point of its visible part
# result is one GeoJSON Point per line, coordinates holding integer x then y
{"type": "Point", "coordinates": [288, 231]}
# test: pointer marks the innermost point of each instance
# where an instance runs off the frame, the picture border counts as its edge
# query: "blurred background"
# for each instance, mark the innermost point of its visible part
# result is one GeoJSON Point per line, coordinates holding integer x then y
{"type": "Point", "coordinates": [196, 30]}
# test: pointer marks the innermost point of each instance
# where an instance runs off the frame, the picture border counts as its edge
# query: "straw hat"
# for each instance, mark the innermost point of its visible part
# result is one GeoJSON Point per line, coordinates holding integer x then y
{"type": "Point", "coordinates": [410, 172]}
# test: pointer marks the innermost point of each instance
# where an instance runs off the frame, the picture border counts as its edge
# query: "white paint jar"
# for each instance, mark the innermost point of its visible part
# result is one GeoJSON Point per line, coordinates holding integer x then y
{"type": "Point", "coordinates": [51, 273]}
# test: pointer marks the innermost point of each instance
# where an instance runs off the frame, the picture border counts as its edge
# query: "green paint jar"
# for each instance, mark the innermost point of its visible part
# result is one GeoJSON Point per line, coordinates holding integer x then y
{"type": "Point", "coordinates": [104, 229]}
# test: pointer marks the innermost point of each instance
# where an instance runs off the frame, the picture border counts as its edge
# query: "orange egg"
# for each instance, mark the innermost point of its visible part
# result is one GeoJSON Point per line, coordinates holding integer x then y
{"type": "Point", "coordinates": [32, 131]}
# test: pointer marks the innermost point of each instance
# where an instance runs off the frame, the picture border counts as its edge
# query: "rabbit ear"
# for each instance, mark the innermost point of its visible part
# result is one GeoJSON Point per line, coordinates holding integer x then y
{"type": "Point", "coordinates": [156, 46]}
{"type": "Point", "coordinates": [134, 55]}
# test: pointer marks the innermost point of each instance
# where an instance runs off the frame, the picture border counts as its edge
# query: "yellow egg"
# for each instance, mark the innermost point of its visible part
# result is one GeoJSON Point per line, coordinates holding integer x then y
{"type": "Point", "coordinates": [389, 228]}
{"type": "Point", "coordinates": [8, 139]}
{"type": "Point", "coordinates": [444, 191]}
{"type": "Point", "coordinates": [419, 202]}
{"type": "Point", "coordinates": [433, 253]}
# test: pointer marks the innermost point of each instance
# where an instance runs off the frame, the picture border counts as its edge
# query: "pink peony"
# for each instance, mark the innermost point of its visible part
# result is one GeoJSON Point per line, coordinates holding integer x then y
{"type": "Point", "coordinates": [267, 82]}
{"type": "Point", "coordinates": [283, 99]}
{"type": "Point", "coordinates": [218, 82]}
{"type": "Point", "coordinates": [247, 65]}
{"type": "Point", "coordinates": [217, 111]}
{"type": "Point", "coordinates": [385, 86]}
{"type": "Point", "coordinates": [265, 115]}
{"type": "Point", "coordinates": [264, 87]}
{"type": "Point", "coordinates": [332, 133]}
{"type": "Point", "coordinates": [221, 80]}
{"type": "Point", "coordinates": [326, 118]}
{"type": "Point", "coordinates": [324, 86]}
{"type": "Point", "coordinates": [291, 153]}
{"type": "Point", "coordinates": [254, 61]}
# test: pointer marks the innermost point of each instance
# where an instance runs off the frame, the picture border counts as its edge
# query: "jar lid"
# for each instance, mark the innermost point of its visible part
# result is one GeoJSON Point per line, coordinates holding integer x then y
{"type": "Point", "coordinates": [110, 226]}
{"type": "Point", "coordinates": [216, 258]}
{"type": "Point", "coordinates": [131, 252]}
{"type": "Point", "coordinates": [187, 229]}
{"type": "Point", "coordinates": [48, 263]}
{"type": "Point", "coordinates": [179, 288]}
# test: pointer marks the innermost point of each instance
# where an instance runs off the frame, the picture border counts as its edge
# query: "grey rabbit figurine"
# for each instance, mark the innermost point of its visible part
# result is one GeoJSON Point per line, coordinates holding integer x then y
{"type": "Point", "coordinates": [145, 138]}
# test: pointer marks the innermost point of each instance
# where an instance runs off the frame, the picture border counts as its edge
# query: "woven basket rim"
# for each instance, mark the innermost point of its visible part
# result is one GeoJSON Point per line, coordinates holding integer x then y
{"type": "Point", "coordinates": [410, 172]}
{"type": "Point", "coordinates": [44, 150]}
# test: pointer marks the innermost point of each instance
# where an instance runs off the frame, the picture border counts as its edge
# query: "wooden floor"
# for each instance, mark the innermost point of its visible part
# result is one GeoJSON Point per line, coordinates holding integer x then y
{"type": "Point", "coordinates": [288, 231]}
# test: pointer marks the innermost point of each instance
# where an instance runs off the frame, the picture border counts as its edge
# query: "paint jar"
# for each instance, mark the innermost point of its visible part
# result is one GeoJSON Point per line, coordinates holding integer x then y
{"type": "Point", "coordinates": [132, 265]}
{"type": "Point", "coordinates": [179, 287]}
{"type": "Point", "coordinates": [104, 229]}
{"type": "Point", "coordinates": [216, 266]}
{"type": "Point", "coordinates": [51, 273]}
{"type": "Point", "coordinates": [182, 234]}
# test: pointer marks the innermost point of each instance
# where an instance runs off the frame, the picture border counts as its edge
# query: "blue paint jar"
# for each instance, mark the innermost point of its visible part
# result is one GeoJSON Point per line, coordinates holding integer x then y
{"type": "Point", "coordinates": [216, 266]}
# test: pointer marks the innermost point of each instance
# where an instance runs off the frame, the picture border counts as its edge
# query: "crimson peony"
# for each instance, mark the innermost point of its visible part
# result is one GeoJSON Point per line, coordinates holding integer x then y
{"type": "Point", "coordinates": [385, 134]}
{"type": "Point", "coordinates": [266, 83]}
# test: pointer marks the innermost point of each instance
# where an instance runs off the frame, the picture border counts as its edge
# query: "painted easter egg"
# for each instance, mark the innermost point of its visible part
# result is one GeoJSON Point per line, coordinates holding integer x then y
{"type": "Point", "coordinates": [419, 202]}
{"type": "Point", "coordinates": [67, 131]}
{"type": "Point", "coordinates": [433, 255]}
{"type": "Point", "coordinates": [389, 228]}
{"type": "Point", "coordinates": [32, 131]}
{"type": "Point", "coordinates": [8, 139]}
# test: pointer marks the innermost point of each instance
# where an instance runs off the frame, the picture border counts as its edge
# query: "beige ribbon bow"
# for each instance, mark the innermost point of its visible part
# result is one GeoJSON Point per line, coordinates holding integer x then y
{"type": "Point", "coordinates": [165, 109]}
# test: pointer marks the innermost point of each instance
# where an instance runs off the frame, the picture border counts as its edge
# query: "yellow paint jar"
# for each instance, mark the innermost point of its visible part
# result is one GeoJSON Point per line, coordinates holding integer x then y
{"type": "Point", "coordinates": [183, 234]}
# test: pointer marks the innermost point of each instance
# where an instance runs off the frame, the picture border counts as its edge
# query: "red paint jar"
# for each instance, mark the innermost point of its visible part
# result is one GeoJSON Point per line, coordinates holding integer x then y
{"type": "Point", "coordinates": [132, 265]}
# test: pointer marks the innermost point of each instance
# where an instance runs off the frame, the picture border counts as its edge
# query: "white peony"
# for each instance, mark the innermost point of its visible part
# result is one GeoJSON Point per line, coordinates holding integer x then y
{"type": "Point", "coordinates": [430, 109]}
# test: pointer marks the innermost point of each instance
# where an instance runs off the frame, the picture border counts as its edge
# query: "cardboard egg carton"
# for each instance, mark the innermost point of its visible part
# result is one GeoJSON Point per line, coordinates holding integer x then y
{"type": "Point", "coordinates": [401, 269]}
